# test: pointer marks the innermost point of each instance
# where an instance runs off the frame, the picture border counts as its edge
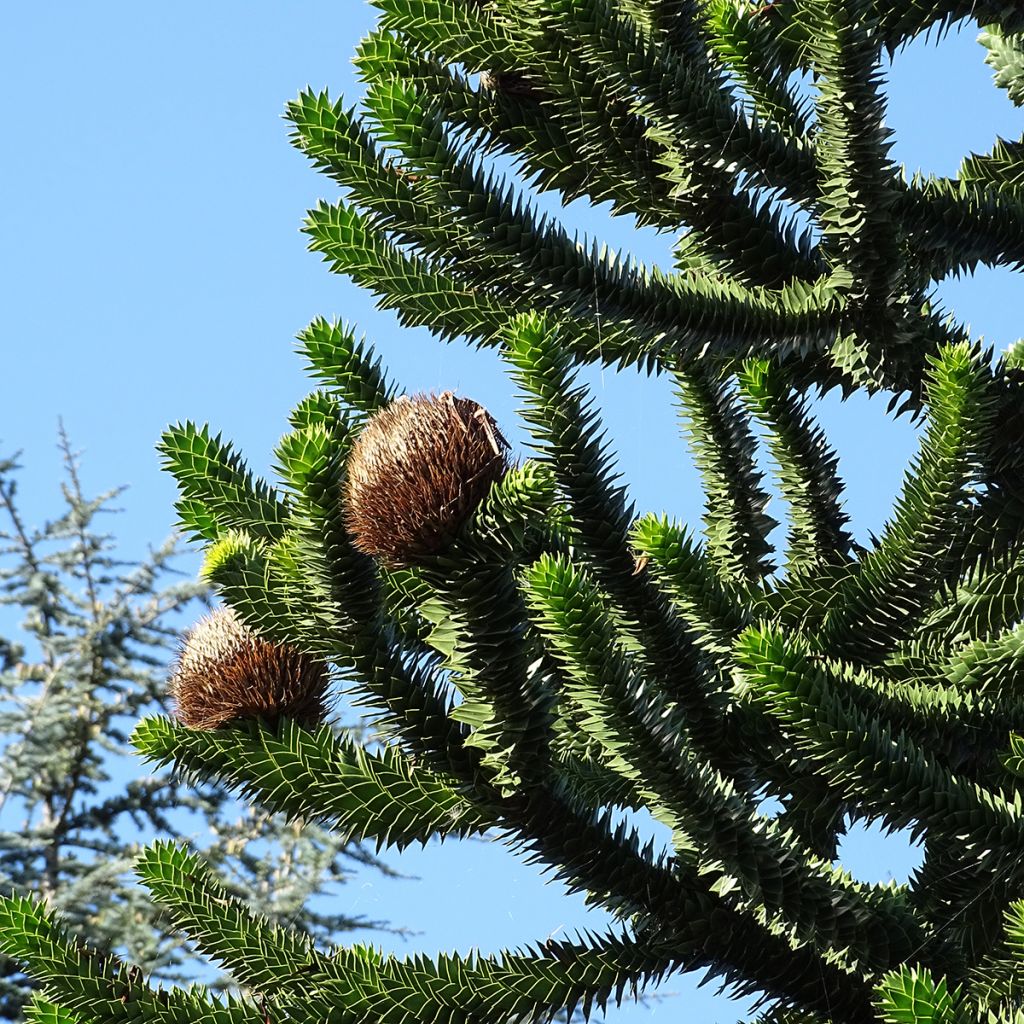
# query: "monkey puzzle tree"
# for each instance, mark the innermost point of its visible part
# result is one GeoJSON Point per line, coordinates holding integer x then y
{"type": "Point", "coordinates": [88, 656]}
{"type": "Point", "coordinates": [540, 657]}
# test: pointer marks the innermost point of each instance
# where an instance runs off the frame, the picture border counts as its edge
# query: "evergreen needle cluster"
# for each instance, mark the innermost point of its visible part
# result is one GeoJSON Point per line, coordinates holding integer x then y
{"type": "Point", "coordinates": [556, 658]}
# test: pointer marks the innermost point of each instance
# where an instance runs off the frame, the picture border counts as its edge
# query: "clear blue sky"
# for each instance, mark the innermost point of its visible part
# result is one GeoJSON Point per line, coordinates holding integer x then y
{"type": "Point", "coordinates": [152, 269]}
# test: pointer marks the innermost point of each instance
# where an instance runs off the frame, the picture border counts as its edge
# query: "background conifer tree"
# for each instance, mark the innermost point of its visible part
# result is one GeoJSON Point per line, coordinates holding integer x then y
{"type": "Point", "coordinates": [88, 639]}
{"type": "Point", "coordinates": [541, 657]}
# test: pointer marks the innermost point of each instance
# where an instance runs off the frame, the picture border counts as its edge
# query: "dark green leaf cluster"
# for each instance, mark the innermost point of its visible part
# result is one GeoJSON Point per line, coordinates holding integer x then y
{"type": "Point", "coordinates": [563, 660]}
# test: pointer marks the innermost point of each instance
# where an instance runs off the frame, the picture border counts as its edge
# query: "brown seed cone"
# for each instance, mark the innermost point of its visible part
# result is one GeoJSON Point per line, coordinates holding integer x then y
{"type": "Point", "coordinates": [511, 83]}
{"type": "Point", "coordinates": [225, 672]}
{"type": "Point", "coordinates": [418, 469]}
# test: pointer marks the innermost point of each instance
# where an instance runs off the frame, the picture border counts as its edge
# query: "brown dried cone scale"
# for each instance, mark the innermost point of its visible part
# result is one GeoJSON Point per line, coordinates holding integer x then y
{"type": "Point", "coordinates": [225, 672]}
{"type": "Point", "coordinates": [418, 469]}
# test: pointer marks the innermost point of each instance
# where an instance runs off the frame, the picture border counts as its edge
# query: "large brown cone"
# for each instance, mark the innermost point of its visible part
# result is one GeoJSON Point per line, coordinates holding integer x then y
{"type": "Point", "coordinates": [419, 468]}
{"type": "Point", "coordinates": [225, 672]}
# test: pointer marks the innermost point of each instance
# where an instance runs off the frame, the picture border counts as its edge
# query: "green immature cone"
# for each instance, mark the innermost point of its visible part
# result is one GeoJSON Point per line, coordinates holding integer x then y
{"type": "Point", "coordinates": [417, 471]}
{"type": "Point", "coordinates": [225, 673]}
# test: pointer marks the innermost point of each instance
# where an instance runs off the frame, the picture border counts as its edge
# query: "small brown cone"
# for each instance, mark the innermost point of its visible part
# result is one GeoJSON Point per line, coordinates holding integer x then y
{"type": "Point", "coordinates": [511, 83]}
{"type": "Point", "coordinates": [225, 672]}
{"type": "Point", "coordinates": [419, 468]}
